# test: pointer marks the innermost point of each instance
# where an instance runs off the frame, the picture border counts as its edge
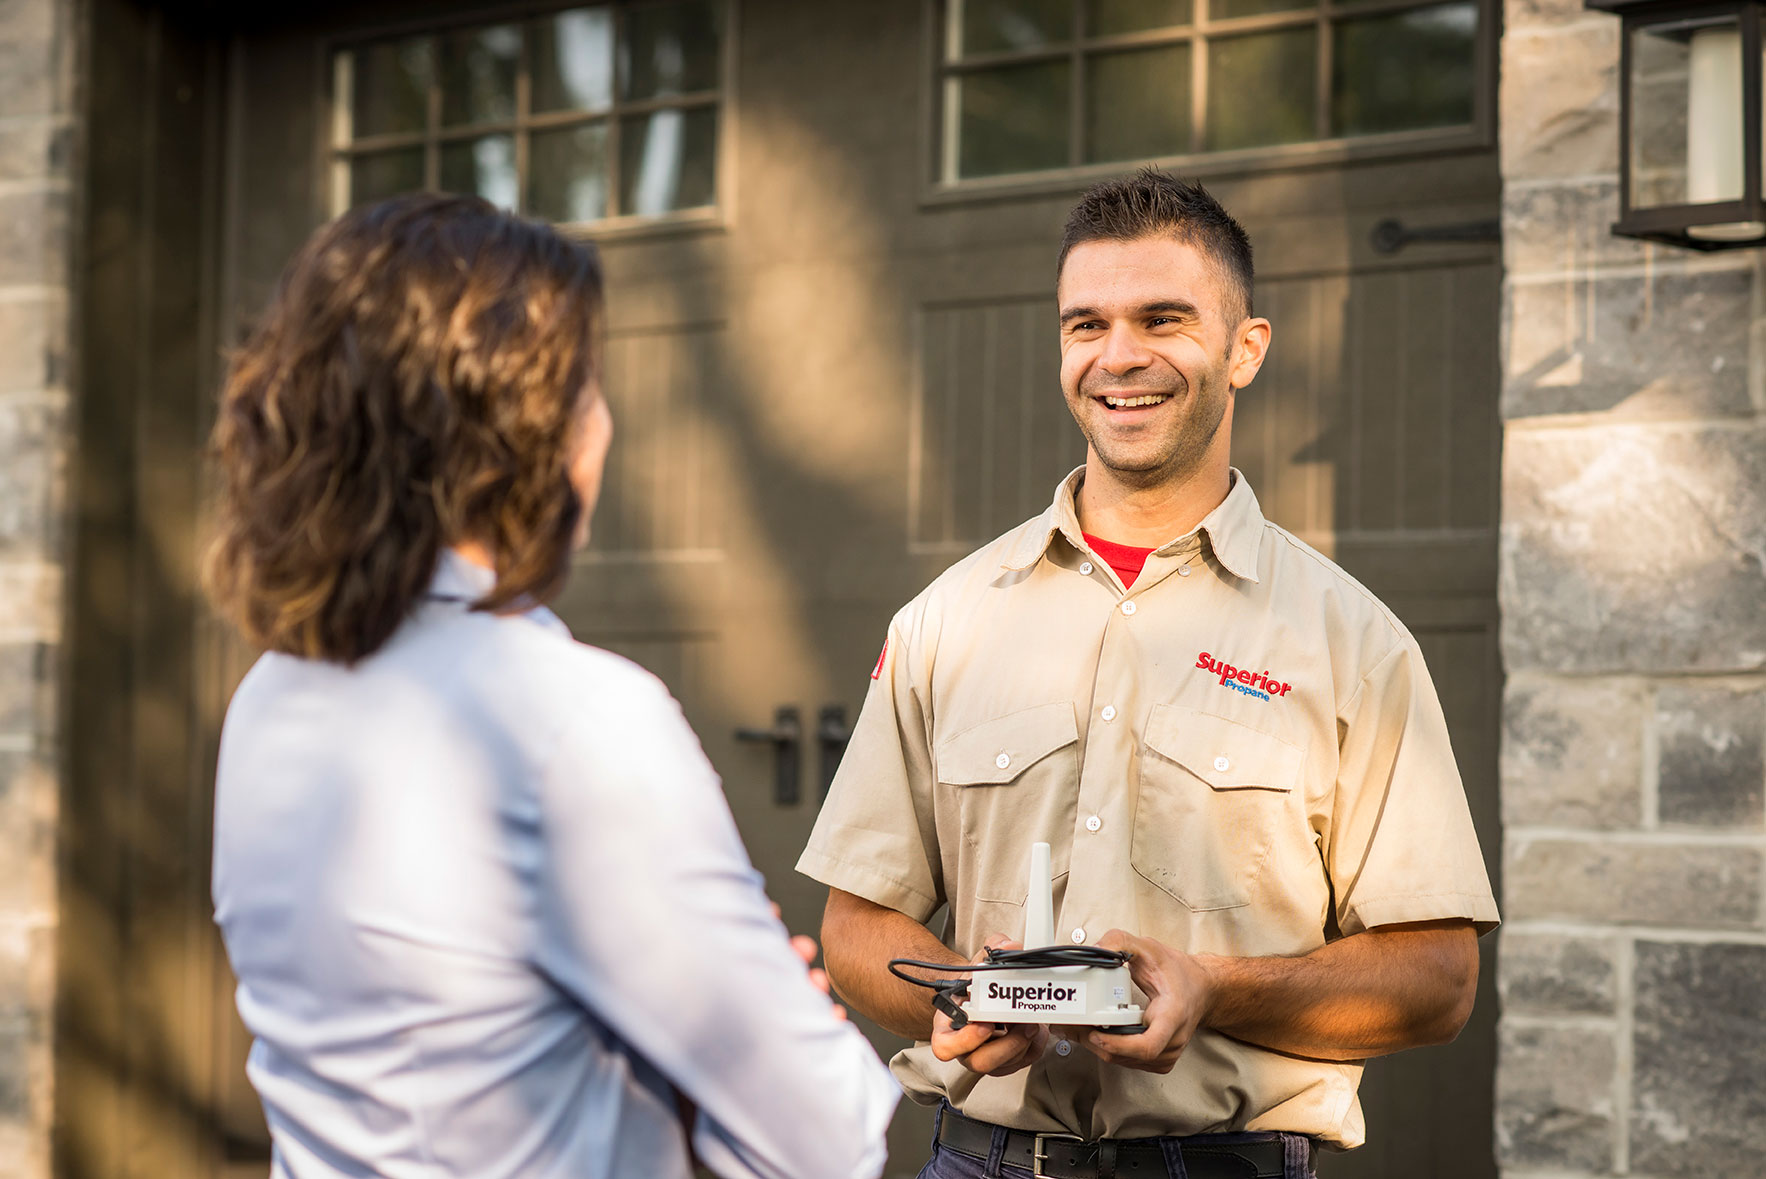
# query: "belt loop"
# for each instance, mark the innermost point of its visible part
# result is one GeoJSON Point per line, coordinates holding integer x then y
{"type": "Point", "coordinates": [1174, 1168]}
{"type": "Point", "coordinates": [1297, 1156]}
{"type": "Point", "coordinates": [1107, 1159]}
{"type": "Point", "coordinates": [996, 1154]}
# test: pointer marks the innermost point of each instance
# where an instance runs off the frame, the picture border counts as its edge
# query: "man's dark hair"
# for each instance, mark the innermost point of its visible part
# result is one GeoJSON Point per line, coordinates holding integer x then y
{"type": "Point", "coordinates": [1152, 203]}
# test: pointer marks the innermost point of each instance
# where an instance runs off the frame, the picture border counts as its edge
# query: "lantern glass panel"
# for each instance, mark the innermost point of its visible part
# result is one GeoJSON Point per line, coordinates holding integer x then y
{"type": "Point", "coordinates": [1686, 117]}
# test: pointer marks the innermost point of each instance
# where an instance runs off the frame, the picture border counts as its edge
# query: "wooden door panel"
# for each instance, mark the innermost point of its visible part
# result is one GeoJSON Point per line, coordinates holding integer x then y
{"type": "Point", "coordinates": [990, 434]}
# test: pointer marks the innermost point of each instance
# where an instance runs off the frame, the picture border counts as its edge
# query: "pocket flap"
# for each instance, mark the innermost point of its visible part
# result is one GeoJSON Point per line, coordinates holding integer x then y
{"type": "Point", "coordinates": [1223, 753]}
{"type": "Point", "coordinates": [997, 751]}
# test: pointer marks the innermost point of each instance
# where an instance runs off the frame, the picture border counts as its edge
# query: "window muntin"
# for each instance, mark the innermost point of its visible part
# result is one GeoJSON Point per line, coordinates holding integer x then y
{"type": "Point", "coordinates": [1039, 85]}
{"type": "Point", "coordinates": [590, 114]}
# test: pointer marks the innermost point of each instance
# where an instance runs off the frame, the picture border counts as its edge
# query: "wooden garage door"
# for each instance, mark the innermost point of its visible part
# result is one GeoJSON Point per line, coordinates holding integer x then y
{"type": "Point", "coordinates": [829, 231]}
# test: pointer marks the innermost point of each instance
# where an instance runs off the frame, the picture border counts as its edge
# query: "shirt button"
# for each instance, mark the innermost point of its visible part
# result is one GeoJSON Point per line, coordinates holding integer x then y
{"type": "Point", "coordinates": [1220, 763]}
{"type": "Point", "coordinates": [1183, 571]}
{"type": "Point", "coordinates": [1093, 823]}
{"type": "Point", "coordinates": [1063, 1048]}
{"type": "Point", "coordinates": [1005, 759]}
{"type": "Point", "coordinates": [1079, 937]}
{"type": "Point", "coordinates": [1109, 712]}
{"type": "Point", "coordinates": [1128, 607]}
{"type": "Point", "coordinates": [1085, 567]}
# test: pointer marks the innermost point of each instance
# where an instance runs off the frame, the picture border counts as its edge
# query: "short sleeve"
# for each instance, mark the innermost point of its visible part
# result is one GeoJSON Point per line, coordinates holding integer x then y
{"type": "Point", "coordinates": [875, 837]}
{"type": "Point", "coordinates": [1400, 845]}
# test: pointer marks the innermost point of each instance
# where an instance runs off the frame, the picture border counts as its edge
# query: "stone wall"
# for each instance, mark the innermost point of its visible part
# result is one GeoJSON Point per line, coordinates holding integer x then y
{"type": "Point", "coordinates": [1633, 589]}
{"type": "Point", "coordinates": [36, 134]}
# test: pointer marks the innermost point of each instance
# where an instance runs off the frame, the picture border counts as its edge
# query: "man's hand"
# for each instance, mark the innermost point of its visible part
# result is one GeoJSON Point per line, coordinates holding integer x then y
{"type": "Point", "coordinates": [983, 1047]}
{"type": "Point", "coordinates": [1179, 992]}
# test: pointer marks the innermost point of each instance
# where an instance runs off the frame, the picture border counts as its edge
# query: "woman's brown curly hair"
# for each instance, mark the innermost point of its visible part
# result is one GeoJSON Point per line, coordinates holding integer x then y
{"type": "Point", "coordinates": [415, 383]}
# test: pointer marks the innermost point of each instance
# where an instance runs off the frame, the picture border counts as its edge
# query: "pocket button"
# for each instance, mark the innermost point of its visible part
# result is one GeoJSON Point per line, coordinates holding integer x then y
{"type": "Point", "coordinates": [1004, 760]}
{"type": "Point", "coordinates": [1220, 763]}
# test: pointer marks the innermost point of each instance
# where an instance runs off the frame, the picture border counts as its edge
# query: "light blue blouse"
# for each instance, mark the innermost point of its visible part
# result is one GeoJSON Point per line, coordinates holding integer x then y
{"type": "Point", "coordinates": [486, 905]}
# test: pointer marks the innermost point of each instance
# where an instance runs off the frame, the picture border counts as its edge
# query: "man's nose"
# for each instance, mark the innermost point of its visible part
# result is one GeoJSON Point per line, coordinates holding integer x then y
{"type": "Point", "coordinates": [1124, 350]}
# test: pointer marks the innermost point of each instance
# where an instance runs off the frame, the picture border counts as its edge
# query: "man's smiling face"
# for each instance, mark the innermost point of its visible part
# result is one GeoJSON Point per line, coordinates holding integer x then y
{"type": "Point", "coordinates": [1147, 333]}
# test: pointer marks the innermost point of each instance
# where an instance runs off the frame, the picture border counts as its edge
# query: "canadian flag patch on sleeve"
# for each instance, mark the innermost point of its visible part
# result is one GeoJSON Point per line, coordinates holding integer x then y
{"type": "Point", "coordinates": [877, 672]}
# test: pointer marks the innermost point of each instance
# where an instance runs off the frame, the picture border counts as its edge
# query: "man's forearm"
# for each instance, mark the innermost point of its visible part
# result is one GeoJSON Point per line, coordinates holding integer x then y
{"type": "Point", "coordinates": [859, 938]}
{"type": "Point", "coordinates": [1375, 992]}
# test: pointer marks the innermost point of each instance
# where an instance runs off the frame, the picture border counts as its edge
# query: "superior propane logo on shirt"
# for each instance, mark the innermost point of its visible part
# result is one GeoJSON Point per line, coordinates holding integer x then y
{"type": "Point", "coordinates": [1055, 998]}
{"type": "Point", "coordinates": [1262, 685]}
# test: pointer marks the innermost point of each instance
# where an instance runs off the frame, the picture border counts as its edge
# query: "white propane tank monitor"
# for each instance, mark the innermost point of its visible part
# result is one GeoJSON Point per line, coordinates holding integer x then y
{"type": "Point", "coordinates": [1096, 996]}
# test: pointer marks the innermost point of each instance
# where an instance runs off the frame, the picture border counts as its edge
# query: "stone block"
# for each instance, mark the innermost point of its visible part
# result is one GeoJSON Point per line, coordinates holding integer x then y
{"type": "Point", "coordinates": [1664, 343]}
{"type": "Point", "coordinates": [1554, 1098]}
{"type": "Point", "coordinates": [30, 601]}
{"type": "Point", "coordinates": [33, 238]}
{"type": "Point", "coordinates": [27, 965]}
{"type": "Point", "coordinates": [1625, 882]}
{"type": "Point", "coordinates": [31, 149]}
{"type": "Point", "coordinates": [31, 472]}
{"type": "Point", "coordinates": [1565, 227]}
{"type": "Point", "coordinates": [23, 670]}
{"type": "Point", "coordinates": [27, 834]}
{"type": "Point", "coordinates": [1712, 759]}
{"type": "Point", "coordinates": [1559, 101]}
{"type": "Point", "coordinates": [1557, 974]}
{"type": "Point", "coordinates": [1572, 753]}
{"type": "Point", "coordinates": [30, 57]}
{"type": "Point", "coordinates": [1698, 1105]}
{"type": "Point", "coordinates": [33, 344]}
{"type": "Point", "coordinates": [1634, 549]}
{"type": "Point", "coordinates": [1524, 14]}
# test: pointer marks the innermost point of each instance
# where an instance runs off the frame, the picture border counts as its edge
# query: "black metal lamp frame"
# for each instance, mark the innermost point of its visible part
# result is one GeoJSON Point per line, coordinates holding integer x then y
{"type": "Point", "coordinates": [1671, 223]}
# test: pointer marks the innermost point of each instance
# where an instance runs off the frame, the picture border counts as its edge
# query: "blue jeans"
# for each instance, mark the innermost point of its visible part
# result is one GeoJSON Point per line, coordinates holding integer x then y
{"type": "Point", "coordinates": [946, 1163]}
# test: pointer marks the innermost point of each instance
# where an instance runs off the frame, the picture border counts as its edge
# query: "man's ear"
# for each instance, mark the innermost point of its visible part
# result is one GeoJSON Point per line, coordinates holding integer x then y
{"type": "Point", "coordinates": [1250, 346]}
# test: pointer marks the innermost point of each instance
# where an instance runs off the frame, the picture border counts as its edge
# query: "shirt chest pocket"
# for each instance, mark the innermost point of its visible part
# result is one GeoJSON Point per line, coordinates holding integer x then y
{"type": "Point", "coordinates": [1215, 796]}
{"type": "Point", "coordinates": [1014, 779]}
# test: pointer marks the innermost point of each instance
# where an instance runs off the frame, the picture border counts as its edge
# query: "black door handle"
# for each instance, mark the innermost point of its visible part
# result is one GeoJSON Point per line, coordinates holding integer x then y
{"type": "Point", "coordinates": [1392, 235]}
{"type": "Point", "coordinates": [786, 738]}
{"type": "Point", "coordinates": [832, 734]}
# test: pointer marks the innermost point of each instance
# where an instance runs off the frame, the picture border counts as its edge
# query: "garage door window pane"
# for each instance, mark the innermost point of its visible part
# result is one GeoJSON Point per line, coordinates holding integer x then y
{"type": "Point", "coordinates": [478, 75]}
{"type": "Point", "coordinates": [996, 26]}
{"type": "Point", "coordinates": [670, 49]}
{"type": "Point", "coordinates": [572, 56]}
{"type": "Point", "coordinates": [667, 161]}
{"type": "Point", "coordinates": [482, 167]}
{"type": "Point", "coordinates": [1105, 18]}
{"type": "Point", "coordinates": [1406, 71]}
{"type": "Point", "coordinates": [1227, 9]}
{"type": "Point", "coordinates": [1261, 89]}
{"type": "Point", "coordinates": [384, 174]}
{"type": "Point", "coordinates": [567, 173]}
{"type": "Point", "coordinates": [1013, 120]}
{"type": "Point", "coordinates": [391, 87]}
{"type": "Point", "coordinates": [1138, 104]}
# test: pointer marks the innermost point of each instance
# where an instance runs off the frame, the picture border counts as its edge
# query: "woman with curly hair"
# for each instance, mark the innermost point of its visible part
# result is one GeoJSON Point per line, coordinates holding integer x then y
{"type": "Point", "coordinates": [485, 901]}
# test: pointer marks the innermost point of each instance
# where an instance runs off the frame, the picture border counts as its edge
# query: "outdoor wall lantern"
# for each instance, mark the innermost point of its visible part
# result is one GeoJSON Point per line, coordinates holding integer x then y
{"type": "Point", "coordinates": [1690, 119]}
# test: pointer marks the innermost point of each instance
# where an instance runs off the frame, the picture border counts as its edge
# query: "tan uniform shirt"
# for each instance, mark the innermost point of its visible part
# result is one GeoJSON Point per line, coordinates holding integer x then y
{"type": "Point", "coordinates": [1243, 754]}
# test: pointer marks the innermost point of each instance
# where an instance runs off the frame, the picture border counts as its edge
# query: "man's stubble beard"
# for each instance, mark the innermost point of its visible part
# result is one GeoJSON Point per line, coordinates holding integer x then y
{"type": "Point", "coordinates": [1182, 455]}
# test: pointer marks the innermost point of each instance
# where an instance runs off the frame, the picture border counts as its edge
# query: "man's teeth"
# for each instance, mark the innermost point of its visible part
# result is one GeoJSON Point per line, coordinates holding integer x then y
{"type": "Point", "coordinates": [1131, 402]}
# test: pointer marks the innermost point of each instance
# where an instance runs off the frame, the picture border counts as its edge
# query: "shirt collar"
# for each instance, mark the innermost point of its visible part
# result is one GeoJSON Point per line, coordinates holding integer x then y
{"type": "Point", "coordinates": [457, 578]}
{"type": "Point", "coordinates": [1234, 529]}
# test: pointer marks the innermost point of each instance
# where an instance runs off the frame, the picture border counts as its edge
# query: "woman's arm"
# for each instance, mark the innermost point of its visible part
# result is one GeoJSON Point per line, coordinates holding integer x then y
{"type": "Point", "coordinates": [651, 915]}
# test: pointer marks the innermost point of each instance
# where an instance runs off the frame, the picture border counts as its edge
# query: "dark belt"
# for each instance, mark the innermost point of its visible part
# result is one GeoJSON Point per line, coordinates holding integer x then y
{"type": "Point", "coordinates": [1063, 1156]}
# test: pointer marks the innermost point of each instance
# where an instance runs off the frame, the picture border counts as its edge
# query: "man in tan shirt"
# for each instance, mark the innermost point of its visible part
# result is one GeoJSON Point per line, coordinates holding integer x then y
{"type": "Point", "coordinates": [1233, 749]}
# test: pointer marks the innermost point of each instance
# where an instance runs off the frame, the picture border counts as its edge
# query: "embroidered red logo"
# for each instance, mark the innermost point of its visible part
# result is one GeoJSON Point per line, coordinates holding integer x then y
{"type": "Point", "coordinates": [877, 672]}
{"type": "Point", "coordinates": [1259, 684]}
